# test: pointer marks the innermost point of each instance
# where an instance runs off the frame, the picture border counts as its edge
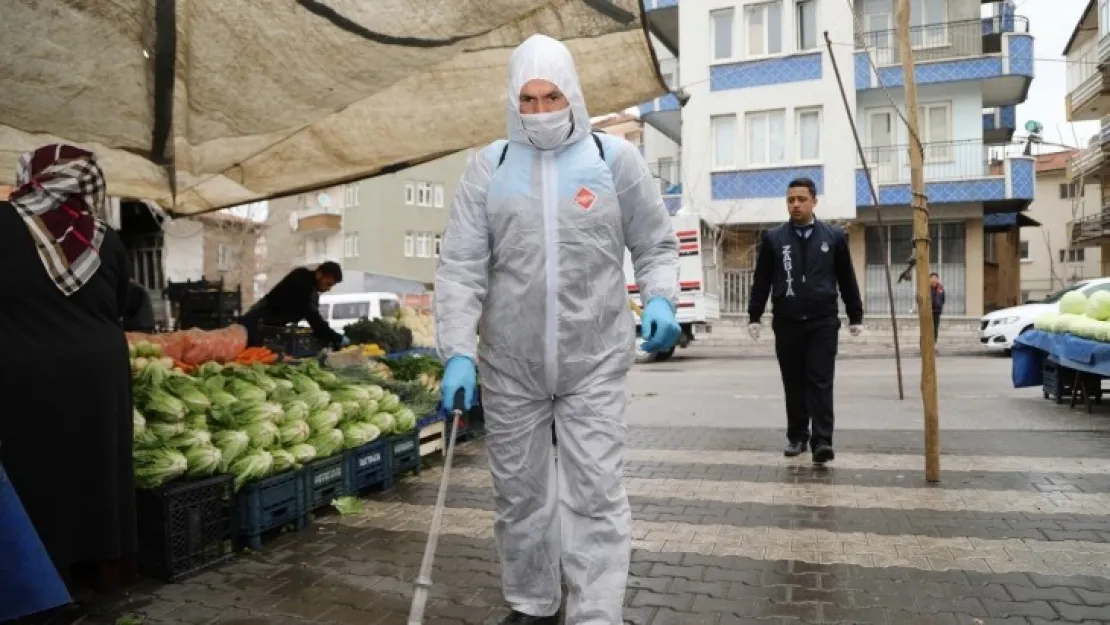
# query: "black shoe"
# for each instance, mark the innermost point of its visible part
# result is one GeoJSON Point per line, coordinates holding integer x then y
{"type": "Point", "coordinates": [823, 453]}
{"type": "Point", "coordinates": [794, 449]}
{"type": "Point", "coordinates": [519, 618]}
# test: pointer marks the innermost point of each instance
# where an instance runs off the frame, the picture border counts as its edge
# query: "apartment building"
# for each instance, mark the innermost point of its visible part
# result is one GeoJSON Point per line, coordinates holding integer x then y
{"type": "Point", "coordinates": [1088, 99]}
{"type": "Point", "coordinates": [764, 107]}
{"type": "Point", "coordinates": [389, 225]}
{"type": "Point", "coordinates": [1049, 261]}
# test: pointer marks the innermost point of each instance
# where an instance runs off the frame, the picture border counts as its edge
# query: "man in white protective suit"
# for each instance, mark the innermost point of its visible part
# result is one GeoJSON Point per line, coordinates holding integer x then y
{"type": "Point", "coordinates": [533, 262]}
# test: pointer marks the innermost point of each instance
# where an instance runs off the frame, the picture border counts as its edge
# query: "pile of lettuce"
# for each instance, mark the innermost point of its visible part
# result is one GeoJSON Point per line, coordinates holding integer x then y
{"type": "Point", "coordinates": [252, 421]}
{"type": "Point", "coordinates": [1078, 315]}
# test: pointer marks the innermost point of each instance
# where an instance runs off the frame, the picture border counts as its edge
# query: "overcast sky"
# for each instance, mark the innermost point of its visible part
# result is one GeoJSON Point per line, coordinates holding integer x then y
{"type": "Point", "coordinates": [1051, 23]}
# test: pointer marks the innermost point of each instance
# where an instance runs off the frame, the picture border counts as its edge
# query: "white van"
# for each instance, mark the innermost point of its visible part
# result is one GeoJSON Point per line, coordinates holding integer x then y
{"type": "Point", "coordinates": [342, 309]}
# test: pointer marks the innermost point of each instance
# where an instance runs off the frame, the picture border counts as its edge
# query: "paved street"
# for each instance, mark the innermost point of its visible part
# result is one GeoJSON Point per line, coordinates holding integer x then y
{"type": "Point", "coordinates": [727, 531]}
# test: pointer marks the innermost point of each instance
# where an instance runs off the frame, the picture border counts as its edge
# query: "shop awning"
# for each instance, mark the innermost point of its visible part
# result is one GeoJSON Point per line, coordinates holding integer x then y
{"type": "Point", "coordinates": [203, 104]}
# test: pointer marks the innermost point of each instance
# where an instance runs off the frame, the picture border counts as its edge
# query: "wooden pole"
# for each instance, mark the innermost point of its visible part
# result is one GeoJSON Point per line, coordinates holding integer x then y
{"type": "Point", "coordinates": [878, 216]}
{"type": "Point", "coordinates": [921, 252]}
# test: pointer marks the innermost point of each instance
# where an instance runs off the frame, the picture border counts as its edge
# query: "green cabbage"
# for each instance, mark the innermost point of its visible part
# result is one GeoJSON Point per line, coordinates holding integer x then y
{"type": "Point", "coordinates": [327, 442]}
{"type": "Point", "coordinates": [316, 400]}
{"type": "Point", "coordinates": [389, 403]}
{"type": "Point", "coordinates": [304, 384]}
{"type": "Point", "coordinates": [323, 420]}
{"type": "Point", "coordinates": [295, 410]}
{"type": "Point", "coordinates": [294, 432]}
{"type": "Point", "coordinates": [303, 453]}
{"type": "Point", "coordinates": [1073, 303]}
{"type": "Point", "coordinates": [253, 466]}
{"type": "Point", "coordinates": [164, 432]}
{"type": "Point", "coordinates": [1098, 306]}
{"type": "Point", "coordinates": [190, 438]}
{"type": "Point", "coordinates": [209, 369]}
{"type": "Point", "coordinates": [204, 460]}
{"type": "Point", "coordinates": [232, 444]}
{"type": "Point", "coordinates": [384, 421]}
{"type": "Point", "coordinates": [138, 422]}
{"type": "Point", "coordinates": [262, 434]}
{"type": "Point", "coordinates": [155, 467]}
{"type": "Point", "coordinates": [184, 388]}
{"type": "Point", "coordinates": [405, 421]}
{"type": "Point", "coordinates": [245, 391]}
{"type": "Point", "coordinates": [162, 406]}
{"type": "Point", "coordinates": [350, 394]}
{"type": "Point", "coordinates": [358, 434]}
{"type": "Point", "coordinates": [283, 461]}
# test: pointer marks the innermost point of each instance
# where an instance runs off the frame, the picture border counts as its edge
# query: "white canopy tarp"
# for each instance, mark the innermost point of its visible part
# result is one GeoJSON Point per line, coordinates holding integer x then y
{"type": "Point", "coordinates": [272, 97]}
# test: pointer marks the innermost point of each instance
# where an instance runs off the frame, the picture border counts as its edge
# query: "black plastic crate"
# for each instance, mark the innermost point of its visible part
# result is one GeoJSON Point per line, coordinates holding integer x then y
{"type": "Point", "coordinates": [369, 467]}
{"type": "Point", "coordinates": [404, 452]}
{"type": "Point", "coordinates": [185, 528]}
{"type": "Point", "coordinates": [291, 341]}
{"type": "Point", "coordinates": [1058, 381]}
{"type": "Point", "coordinates": [326, 479]}
{"type": "Point", "coordinates": [268, 504]}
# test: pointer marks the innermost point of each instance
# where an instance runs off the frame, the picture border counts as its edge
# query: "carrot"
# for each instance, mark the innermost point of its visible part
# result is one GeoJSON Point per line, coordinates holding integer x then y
{"type": "Point", "coordinates": [186, 367]}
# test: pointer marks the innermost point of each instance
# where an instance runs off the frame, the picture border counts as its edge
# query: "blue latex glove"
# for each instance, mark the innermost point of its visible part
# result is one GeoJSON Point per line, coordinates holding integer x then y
{"type": "Point", "coordinates": [459, 374]}
{"type": "Point", "coordinates": [658, 326]}
{"type": "Point", "coordinates": [345, 341]}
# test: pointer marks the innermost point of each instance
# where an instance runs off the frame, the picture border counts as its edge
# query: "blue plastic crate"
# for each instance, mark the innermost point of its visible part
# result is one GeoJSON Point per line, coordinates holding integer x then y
{"type": "Point", "coordinates": [369, 467]}
{"type": "Point", "coordinates": [268, 504]}
{"type": "Point", "coordinates": [404, 452]}
{"type": "Point", "coordinates": [326, 479]}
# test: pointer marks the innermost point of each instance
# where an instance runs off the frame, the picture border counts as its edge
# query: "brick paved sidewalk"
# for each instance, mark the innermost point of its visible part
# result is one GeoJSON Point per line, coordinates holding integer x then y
{"type": "Point", "coordinates": [727, 532]}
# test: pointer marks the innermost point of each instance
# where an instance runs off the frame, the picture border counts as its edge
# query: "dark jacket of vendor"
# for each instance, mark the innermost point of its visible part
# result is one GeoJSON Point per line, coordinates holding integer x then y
{"type": "Point", "coordinates": [138, 316]}
{"type": "Point", "coordinates": [296, 299]}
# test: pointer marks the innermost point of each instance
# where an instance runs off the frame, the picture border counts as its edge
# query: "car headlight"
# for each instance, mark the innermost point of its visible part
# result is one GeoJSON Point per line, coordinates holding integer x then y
{"type": "Point", "coordinates": [1004, 321]}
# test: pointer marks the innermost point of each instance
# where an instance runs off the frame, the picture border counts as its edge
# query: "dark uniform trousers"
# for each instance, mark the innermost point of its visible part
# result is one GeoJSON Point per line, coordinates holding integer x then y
{"type": "Point", "coordinates": [806, 353]}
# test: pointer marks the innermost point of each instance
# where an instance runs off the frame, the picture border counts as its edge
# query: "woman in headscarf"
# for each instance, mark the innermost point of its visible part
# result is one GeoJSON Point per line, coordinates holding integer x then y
{"type": "Point", "coordinates": [66, 424]}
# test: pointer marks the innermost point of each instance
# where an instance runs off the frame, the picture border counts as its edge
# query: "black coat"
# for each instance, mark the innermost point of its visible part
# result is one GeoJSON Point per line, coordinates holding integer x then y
{"type": "Point", "coordinates": [803, 276]}
{"type": "Point", "coordinates": [293, 300]}
{"type": "Point", "coordinates": [66, 430]}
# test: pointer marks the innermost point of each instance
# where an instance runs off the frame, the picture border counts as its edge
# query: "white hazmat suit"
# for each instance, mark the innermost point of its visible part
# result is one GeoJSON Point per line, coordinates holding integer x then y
{"type": "Point", "coordinates": [533, 260]}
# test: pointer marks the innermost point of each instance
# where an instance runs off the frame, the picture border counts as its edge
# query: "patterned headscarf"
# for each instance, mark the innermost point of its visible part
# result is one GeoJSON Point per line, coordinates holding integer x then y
{"type": "Point", "coordinates": [61, 196]}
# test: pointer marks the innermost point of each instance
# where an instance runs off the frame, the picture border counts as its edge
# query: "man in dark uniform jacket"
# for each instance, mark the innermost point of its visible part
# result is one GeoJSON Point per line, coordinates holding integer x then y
{"type": "Point", "coordinates": [801, 266]}
{"type": "Point", "coordinates": [295, 299]}
{"type": "Point", "coordinates": [139, 314]}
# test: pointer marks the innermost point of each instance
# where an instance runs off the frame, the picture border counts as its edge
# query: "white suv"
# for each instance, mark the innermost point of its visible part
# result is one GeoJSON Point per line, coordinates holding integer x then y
{"type": "Point", "coordinates": [998, 329]}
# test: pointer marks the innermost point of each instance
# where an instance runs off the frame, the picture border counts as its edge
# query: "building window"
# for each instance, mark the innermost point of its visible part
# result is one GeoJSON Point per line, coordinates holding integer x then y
{"type": "Point", "coordinates": [1103, 17]}
{"type": "Point", "coordinates": [766, 140]}
{"type": "Point", "coordinates": [410, 244]}
{"type": "Point", "coordinates": [1074, 255]}
{"type": "Point", "coordinates": [764, 28]}
{"type": "Point", "coordinates": [936, 131]}
{"type": "Point", "coordinates": [807, 24]}
{"type": "Point", "coordinates": [350, 195]}
{"type": "Point", "coordinates": [424, 194]}
{"type": "Point", "coordinates": [439, 196]}
{"type": "Point", "coordinates": [437, 245]}
{"type": "Point", "coordinates": [350, 245]}
{"type": "Point", "coordinates": [723, 129]}
{"type": "Point", "coordinates": [1023, 251]}
{"type": "Point", "coordinates": [410, 193]}
{"type": "Point", "coordinates": [720, 39]}
{"type": "Point", "coordinates": [1068, 190]}
{"type": "Point", "coordinates": [947, 257]}
{"type": "Point", "coordinates": [422, 250]}
{"type": "Point", "coordinates": [808, 129]}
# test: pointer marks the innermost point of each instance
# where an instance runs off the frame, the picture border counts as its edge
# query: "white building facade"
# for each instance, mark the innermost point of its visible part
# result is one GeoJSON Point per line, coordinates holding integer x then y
{"type": "Point", "coordinates": [758, 104]}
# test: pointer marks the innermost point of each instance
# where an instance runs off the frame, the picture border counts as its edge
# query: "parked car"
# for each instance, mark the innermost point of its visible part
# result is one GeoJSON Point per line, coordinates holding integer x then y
{"type": "Point", "coordinates": [998, 329]}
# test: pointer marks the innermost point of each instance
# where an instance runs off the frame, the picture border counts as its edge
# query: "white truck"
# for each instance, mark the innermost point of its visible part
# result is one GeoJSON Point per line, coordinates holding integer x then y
{"type": "Point", "coordinates": [697, 310]}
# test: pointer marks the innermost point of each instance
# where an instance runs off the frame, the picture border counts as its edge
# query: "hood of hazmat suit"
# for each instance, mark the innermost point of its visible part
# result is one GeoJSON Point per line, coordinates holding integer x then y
{"type": "Point", "coordinates": [533, 261]}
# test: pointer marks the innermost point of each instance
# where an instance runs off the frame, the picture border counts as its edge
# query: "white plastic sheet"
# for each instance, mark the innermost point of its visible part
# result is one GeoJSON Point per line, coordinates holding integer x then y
{"type": "Point", "coordinates": [272, 97]}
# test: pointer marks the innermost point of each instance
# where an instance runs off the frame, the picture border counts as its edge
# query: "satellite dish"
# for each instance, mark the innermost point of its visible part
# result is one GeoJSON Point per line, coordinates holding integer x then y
{"type": "Point", "coordinates": [323, 200]}
{"type": "Point", "coordinates": [1033, 127]}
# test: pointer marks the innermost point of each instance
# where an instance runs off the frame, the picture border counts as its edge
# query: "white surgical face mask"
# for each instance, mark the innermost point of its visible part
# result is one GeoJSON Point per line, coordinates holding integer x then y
{"type": "Point", "coordinates": [547, 131]}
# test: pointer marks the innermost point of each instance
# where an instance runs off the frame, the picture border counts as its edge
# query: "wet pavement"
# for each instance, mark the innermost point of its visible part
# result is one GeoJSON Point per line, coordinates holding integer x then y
{"type": "Point", "coordinates": [727, 531]}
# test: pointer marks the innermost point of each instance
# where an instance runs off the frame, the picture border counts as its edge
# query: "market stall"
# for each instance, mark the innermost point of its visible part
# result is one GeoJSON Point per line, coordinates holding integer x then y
{"type": "Point", "coordinates": [232, 443]}
{"type": "Point", "coordinates": [1067, 352]}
